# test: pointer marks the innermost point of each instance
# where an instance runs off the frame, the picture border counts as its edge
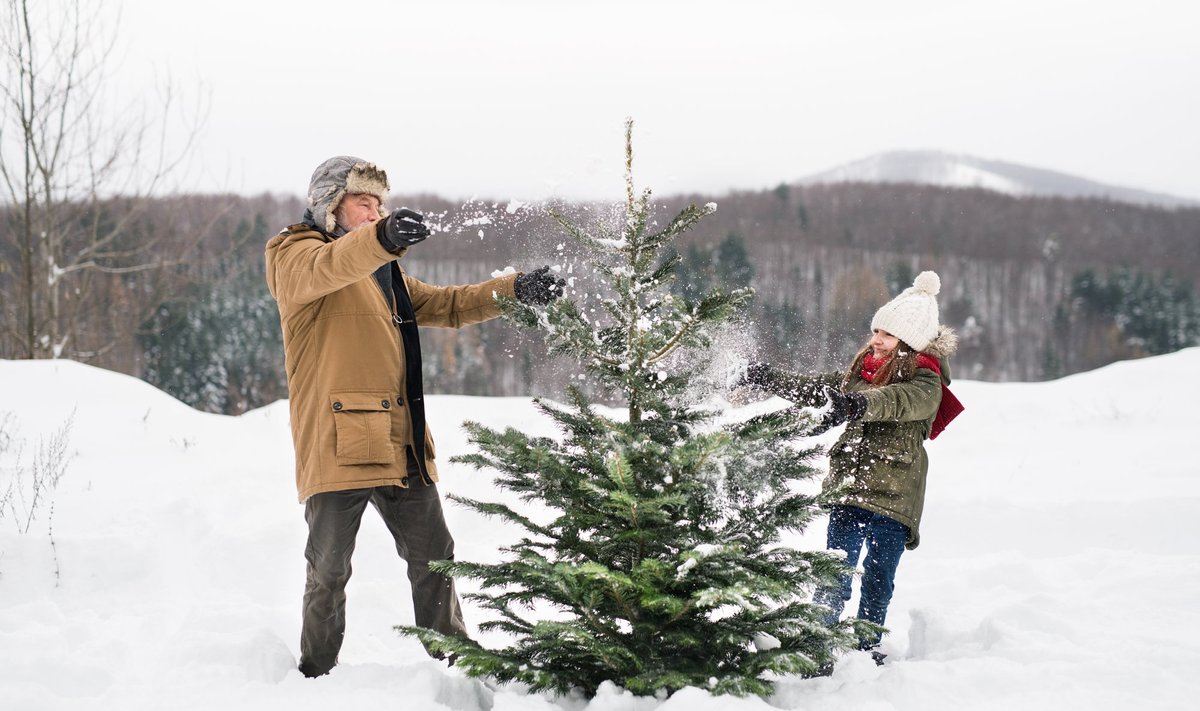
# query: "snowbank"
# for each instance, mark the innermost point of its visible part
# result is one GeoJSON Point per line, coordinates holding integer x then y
{"type": "Point", "coordinates": [1059, 565]}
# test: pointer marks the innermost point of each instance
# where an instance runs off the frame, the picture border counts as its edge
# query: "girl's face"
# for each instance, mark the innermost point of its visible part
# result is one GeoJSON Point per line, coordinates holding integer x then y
{"type": "Point", "coordinates": [883, 344]}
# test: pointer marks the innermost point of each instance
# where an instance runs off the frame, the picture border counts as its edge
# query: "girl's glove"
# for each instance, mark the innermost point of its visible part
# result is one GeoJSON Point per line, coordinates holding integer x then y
{"type": "Point", "coordinates": [757, 374]}
{"type": "Point", "coordinates": [843, 407]}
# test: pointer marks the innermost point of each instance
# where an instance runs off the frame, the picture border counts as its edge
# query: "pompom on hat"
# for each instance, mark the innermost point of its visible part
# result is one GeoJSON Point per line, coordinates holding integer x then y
{"type": "Point", "coordinates": [913, 315]}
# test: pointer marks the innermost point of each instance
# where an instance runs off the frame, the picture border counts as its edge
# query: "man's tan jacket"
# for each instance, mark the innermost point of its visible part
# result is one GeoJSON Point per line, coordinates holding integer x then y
{"type": "Point", "coordinates": [344, 358]}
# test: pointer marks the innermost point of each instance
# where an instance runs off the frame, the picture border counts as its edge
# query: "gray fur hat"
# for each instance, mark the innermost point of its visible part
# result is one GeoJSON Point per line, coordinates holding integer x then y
{"type": "Point", "coordinates": [337, 177]}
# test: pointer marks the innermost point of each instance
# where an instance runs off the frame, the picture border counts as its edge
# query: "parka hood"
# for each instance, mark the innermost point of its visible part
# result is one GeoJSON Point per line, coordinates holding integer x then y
{"type": "Point", "coordinates": [944, 344]}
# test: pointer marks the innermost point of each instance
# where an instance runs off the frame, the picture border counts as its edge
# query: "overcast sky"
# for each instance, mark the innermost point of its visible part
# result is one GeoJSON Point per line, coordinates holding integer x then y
{"type": "Point", "coordinates": [525, 99]}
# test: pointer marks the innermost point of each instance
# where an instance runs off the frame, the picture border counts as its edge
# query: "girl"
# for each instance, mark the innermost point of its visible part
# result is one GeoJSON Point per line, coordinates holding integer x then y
{"type": "Point", "coordinates": [893, 396]}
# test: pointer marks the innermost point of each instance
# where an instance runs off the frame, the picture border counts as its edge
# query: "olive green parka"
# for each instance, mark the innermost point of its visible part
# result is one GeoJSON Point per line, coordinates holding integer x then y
{"type": "Point", "coordinates": [879, 463]}
{"type": "Point", "coordinates": [344, 356]}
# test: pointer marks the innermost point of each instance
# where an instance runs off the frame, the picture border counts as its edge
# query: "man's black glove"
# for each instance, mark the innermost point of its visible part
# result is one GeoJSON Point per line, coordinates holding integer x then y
{"type": "Point", "coordinates": [538, 287]}
{"type": "Point", "coordinates": [843, 407]}
{"type": "Point", "coordinates": [402, 228]}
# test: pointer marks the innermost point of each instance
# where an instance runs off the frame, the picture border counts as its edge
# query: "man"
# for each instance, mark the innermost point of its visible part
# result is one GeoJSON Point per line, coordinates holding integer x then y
{"type": "Point", "coordinates": [353, 358]}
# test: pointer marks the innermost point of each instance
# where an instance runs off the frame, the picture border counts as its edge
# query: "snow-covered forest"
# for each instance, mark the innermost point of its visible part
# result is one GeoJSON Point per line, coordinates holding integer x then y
{"type": "Point", "coordinates": [1038, 287]}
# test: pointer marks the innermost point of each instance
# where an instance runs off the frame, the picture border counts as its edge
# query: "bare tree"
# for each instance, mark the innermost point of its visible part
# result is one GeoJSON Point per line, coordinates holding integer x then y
{"type": "Point", "coordinates": [78, 173]}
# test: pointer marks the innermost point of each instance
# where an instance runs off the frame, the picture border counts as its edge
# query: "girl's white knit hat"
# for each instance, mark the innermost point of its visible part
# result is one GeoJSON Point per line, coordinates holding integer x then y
{"type": "Point", "coordinates": [913, 315]}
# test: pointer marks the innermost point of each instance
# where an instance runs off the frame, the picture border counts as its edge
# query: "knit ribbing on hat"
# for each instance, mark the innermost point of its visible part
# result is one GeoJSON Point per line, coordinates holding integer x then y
{"type": "Point", "coordinates": [337, 177]}
{"type": "Point", "coordinates": [913, 315]}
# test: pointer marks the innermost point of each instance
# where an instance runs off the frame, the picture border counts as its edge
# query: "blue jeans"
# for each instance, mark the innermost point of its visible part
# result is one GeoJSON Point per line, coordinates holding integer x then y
{"type": "Point", "coordinates": [849, 528]}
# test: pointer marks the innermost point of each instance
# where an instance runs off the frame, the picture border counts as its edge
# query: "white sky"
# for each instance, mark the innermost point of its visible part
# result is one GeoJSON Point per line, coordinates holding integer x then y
{"type": "Point", "coordinates": [526, 98]}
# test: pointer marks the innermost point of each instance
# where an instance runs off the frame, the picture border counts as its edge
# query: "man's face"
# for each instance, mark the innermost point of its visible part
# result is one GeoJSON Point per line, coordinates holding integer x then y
{"type": "Point", "coordinates": [356, 210]}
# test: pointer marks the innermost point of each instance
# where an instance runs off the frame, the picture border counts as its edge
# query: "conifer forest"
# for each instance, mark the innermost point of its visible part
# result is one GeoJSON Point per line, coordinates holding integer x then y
{"type": "Point", "coordinates": [1037, 287]}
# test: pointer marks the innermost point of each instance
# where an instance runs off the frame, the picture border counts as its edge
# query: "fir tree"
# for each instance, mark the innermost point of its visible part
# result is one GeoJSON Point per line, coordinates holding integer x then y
{"type": "Point", "coordinates": [663, 561]}
{"type": "Point", "coordinates": [217, 344]}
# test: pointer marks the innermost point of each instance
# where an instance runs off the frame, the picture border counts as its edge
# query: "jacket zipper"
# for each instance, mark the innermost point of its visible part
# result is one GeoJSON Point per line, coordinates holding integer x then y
{"type": "Point", "coordinates": [396, 320]}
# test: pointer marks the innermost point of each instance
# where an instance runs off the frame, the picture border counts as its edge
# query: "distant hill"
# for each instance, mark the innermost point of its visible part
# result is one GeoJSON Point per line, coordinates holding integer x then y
{"type": "Point", "coordinates": [963, 171]}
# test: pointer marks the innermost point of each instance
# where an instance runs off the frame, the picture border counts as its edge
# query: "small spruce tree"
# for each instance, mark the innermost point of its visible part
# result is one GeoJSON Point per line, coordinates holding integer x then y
{"type": "Point", "coordinates": [663, 563]}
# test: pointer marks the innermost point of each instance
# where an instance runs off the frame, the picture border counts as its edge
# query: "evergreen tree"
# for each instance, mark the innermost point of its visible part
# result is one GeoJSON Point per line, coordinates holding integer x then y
{"type": "Point", "coordinates": [217, 344]}
{"type": "Point", "coordinates": [1152, 315]}
{"type": "Point", "coordinates": [699, 268]}
{"type": "Point", "coordinates": [899, 277]}
{"type": "Point", "coordinates": [780, 332]}
{"type": "Point", "coordinates": [663, 562]}
{"type": "Point", "coordinates": [693, 276]}
{"type": "Point", "coordinates": [732, 262]}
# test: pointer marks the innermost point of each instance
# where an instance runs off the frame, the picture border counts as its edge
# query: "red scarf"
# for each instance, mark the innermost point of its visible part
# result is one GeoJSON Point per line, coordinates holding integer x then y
{"type": "Point", "coordinates": [949, 408]}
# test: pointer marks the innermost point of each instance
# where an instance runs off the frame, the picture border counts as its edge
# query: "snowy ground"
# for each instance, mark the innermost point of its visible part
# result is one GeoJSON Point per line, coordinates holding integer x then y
{"type": "Point", "coordinates": [1060, 563]}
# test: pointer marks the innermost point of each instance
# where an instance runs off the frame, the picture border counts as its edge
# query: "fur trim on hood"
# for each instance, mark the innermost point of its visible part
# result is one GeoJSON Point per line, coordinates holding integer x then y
{"type": "Point", "coordinates": [337, 177]}
{"type": "Point", "coordinates": [944, 343]}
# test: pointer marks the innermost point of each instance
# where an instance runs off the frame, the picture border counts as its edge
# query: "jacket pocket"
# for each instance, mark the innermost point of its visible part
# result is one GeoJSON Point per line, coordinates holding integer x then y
{"type": "Point", "coordinates": [895, 456]}
{"type": "Point", "coordinates": [363, 427]}
{"type": "Point", "coordinates": [890, 473]}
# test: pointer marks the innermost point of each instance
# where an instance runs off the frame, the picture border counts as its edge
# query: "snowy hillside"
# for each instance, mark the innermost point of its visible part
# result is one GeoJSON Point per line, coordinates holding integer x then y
{"type": "Point", "coordinates": [1060, 563]}
{"type": "Point", "coordinates": [963, 171]}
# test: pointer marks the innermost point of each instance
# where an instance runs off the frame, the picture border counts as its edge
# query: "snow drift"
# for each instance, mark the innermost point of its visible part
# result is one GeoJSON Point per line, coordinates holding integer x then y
{"type": "Point", "coordinates": [1059, 565]}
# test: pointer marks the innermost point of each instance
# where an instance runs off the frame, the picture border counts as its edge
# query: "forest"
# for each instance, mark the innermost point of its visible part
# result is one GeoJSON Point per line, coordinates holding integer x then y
{"type": "Point", "coordinates": [1036, 287]}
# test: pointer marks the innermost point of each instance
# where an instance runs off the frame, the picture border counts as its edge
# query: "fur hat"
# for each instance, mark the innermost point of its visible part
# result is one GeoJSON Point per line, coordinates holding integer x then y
{"type": "Point", "coordinates": [913, 315]}
{"type": "Point", "coordinates": [337, 177]}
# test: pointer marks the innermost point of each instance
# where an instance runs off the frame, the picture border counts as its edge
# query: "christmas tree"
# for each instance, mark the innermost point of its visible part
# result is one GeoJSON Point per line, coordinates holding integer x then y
{"type": "Point", "coordinates": [663, 563]}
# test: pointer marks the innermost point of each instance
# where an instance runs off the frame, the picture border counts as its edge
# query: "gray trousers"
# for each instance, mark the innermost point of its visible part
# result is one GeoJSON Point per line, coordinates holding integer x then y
{"type": "Point", "coordinates": [414, 517]}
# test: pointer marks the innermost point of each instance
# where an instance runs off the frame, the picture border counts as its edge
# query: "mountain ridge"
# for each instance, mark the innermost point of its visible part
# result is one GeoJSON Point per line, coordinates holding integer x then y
{"type": "Point", "coordinates": [941, 168]}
